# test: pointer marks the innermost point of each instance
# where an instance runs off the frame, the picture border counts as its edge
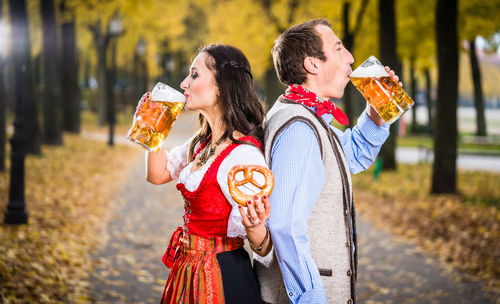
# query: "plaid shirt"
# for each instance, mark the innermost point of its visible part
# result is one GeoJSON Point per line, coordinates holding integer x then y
{"type": "Point", "coordinates": [299, 177]}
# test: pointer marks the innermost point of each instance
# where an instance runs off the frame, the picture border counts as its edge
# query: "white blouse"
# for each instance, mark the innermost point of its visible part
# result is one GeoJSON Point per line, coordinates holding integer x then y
{"type": "Point", "coordinates": [243, 154]}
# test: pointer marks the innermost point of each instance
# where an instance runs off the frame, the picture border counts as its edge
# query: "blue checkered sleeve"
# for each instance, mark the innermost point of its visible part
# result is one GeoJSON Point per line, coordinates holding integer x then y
{"type": "Point", "coordinates": [361, 144]}
{"type": "Point", "coordinates": [299, 176]}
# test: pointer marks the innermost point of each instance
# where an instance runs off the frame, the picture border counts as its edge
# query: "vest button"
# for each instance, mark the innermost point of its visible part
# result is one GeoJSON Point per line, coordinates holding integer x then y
{"type": "Point", "coordinates": [290, 294]}
{"type": "Point", "coordinates": [349, 272]}
{"type": "Point", "coordinates": [350, 301]}
{"type": "Point", "coordinates": [348, 244]}
{"type": "Point", "coordinates": [346, 212]}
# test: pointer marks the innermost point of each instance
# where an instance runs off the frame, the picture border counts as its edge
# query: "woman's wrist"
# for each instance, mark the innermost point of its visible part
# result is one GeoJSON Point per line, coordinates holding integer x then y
{"type": "Point", "coordinates": [257, 235]}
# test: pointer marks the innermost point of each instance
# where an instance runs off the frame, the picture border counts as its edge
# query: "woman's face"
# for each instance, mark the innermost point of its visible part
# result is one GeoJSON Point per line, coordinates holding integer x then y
{"type": "Point", "coordinates": [199, 86]}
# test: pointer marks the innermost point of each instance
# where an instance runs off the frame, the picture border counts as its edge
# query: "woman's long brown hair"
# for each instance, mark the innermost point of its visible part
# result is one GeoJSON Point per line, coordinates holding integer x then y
{"type": "Point", "coordinates": [242, 110]}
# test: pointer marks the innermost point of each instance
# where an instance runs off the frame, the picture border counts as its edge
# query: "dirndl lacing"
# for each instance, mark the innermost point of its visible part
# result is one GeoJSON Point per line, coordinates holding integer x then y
{"type": "Point", "coordinates": [195, 275]}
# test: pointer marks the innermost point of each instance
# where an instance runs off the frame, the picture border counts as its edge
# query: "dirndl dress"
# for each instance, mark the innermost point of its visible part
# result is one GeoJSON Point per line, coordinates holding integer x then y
{"type": "Point", "coordinates": [207, 266]}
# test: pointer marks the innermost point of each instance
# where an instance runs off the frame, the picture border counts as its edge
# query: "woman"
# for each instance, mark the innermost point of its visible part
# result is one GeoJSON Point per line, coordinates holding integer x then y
{"type": "Point", "coordinates": [206, 255]}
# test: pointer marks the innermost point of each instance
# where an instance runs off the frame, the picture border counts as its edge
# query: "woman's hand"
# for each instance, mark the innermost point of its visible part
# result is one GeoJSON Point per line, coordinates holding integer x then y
{"type": "Point", "coordinates": [258, 211]}
{"type": "Point", "coordinates": [144, 98]}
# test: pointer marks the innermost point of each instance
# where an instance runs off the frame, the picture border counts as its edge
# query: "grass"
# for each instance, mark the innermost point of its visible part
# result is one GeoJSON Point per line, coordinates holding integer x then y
{"type": "Point", "coordinates": [467, 143]}
{"type": "Point", "coordinates": [462, 229]}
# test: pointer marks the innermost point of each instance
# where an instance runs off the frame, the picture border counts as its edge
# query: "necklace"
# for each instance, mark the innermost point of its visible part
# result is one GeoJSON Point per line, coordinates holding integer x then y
{"type": "Point", "coordinates": [207, 153]}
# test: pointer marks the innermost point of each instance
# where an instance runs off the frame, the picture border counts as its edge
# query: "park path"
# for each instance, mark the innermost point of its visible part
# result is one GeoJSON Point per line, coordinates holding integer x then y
{"type": "Point", "coordinates": [128, 267]}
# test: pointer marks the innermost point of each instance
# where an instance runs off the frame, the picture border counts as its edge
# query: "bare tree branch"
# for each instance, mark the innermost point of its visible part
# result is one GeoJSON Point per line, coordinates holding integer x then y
{"type": "Point", "coordinates": [361, 14]}
{"type": "Point", "coordinates": [292, 8]}
{"type": "Point", "coordinates": [293, 5]}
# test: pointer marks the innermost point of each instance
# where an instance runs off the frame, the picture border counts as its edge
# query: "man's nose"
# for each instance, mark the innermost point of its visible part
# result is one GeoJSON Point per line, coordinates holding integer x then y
{"type": "Point", "coordinates": [349, 57]}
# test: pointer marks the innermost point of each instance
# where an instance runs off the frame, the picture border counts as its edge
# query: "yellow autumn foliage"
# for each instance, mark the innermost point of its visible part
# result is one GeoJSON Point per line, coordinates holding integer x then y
{"type": "Point", "coordinates": [68, 190]}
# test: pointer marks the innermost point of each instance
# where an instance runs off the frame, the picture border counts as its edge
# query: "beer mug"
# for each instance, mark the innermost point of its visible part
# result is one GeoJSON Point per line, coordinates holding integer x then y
{"type": "Point", "coordinates": [154, 118]}
{"type": "Point", "coordinates": [384, 94]}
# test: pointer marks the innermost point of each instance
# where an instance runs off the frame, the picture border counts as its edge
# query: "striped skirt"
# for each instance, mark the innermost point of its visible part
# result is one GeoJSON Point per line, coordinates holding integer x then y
{"type": "Point", "coordinates": [211, 270]}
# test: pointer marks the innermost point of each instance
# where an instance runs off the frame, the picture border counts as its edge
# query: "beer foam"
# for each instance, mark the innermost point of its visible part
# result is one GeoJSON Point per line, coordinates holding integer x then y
{"type": "Point", "coordinates": [163, 92]}
{"type": "Point", "coordinates": [370, 68]}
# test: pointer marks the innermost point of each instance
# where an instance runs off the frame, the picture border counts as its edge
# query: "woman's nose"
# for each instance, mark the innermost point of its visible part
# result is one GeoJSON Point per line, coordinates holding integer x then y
{"type": "Point", "coordinates": [184, 83]}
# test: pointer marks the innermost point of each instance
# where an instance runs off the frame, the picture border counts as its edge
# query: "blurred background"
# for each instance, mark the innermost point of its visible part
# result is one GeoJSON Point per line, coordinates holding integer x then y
{"type": "Point", "coordinates": [72, 72]}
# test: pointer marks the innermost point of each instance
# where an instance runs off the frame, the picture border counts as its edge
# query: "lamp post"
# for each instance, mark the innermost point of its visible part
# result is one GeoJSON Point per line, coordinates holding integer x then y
{"type": "Point", "coordinates": [3, 96]}
{"type": "Point", "coordinates": [16, 213]}
{"type": "Point", "coordinates": [114, 31]}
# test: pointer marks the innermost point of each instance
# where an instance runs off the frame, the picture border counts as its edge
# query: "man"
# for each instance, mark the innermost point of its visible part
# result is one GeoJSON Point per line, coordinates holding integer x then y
{"type": "Point", "coordinates": [312, 223]}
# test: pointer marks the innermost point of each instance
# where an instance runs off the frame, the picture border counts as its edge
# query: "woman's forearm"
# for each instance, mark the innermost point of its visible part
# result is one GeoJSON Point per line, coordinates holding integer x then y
{"type": "Point", "coordinates": [156, 168]}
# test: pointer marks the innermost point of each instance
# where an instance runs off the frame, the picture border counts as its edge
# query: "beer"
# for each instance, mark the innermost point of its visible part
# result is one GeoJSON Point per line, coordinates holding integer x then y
{"type": "Point", "coordinates": [155, 117]}
{"type": "Point", "coordinates": [384, 94]}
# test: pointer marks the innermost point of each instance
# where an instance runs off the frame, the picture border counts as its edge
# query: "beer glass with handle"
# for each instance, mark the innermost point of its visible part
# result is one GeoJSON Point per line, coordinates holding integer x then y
{"type": "Point", "coordinates": [384, 94]}
{"type": "Point", "coordinates": [155, 117]}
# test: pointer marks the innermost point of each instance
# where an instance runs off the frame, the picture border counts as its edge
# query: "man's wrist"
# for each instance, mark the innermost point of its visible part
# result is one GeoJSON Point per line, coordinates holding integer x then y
{"type": "Point", "coordinates": [374, 116]}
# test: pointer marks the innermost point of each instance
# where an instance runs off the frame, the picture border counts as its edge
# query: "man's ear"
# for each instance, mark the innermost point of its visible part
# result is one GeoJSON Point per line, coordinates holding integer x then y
{"type": "Point", "coordinates": [310, 65]}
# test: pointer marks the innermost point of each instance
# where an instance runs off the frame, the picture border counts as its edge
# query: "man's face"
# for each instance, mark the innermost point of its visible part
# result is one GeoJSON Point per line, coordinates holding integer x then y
{"type": "Point", "coordinates": [334, 73]}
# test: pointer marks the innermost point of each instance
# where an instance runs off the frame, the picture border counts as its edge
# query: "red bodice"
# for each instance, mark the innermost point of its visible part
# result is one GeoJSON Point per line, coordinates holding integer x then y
{"type": "Point", "coordinates": [206, 209]}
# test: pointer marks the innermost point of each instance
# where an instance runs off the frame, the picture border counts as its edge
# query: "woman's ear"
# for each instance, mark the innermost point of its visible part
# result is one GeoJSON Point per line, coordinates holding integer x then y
{"type": "Point", "coordinates": [310, 65]}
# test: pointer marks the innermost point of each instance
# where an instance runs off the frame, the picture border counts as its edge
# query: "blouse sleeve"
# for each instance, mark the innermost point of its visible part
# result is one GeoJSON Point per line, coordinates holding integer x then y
{"type": "Point", "coordinates": [177, 159]}
{"type": "Point", "coordinates": [242, 155]}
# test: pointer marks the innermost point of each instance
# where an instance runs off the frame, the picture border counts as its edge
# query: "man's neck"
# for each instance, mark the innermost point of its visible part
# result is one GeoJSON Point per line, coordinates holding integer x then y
{"type": "Point", "coordinates": [313, 87]}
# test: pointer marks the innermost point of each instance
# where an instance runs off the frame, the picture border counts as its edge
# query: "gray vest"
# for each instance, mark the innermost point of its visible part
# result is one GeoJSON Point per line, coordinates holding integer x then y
{"type": "Point", "coordinates": [330, 229]}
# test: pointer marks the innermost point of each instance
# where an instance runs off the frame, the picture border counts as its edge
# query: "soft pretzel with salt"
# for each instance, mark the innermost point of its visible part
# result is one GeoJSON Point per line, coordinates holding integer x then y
{"type": "Point", "coordinates": [239, 196]}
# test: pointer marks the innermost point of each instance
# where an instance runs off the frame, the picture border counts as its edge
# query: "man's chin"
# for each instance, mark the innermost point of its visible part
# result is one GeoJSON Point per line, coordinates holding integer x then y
{"type": "Point", "coordinates": [336, 95]}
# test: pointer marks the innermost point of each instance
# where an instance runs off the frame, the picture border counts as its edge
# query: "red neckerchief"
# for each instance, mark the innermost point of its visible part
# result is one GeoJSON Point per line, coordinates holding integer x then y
{"type": "Point", "coordinates": [303, 96]}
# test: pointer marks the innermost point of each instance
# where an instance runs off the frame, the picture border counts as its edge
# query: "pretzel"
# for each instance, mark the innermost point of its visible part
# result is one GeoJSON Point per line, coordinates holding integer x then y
{"type": "Point", "coordinates": [241, 197]}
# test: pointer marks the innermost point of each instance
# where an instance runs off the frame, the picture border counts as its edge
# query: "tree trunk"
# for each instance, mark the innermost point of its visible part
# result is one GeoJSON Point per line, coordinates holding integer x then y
{"type": "Point", "coordinates": [24, 89]}
{"type": "Point", "coordinates": [101, 41]}
{"type": "Point", "coordinates": [144, 80]}
{"type": "Point", "coordinates": [135, 82]}
{"type": "Point", "coordinates": [52, 105]}
{"type": "Point", "coordinates": [71, 95]}
{"type": "Point", "coordinates": [444, 179]}
{"type": "Point", "coordinates": [110, 93]}
{"type": "Point", "coordinates": [273, 88]}
{"type": "Point", "coordinates": [3, 106]}
{"type": "Point", "coordinates": [354, 103]}
{"type": "Point", "coordinates": [102, 79]}
{"type": "Point", "coordinates": [478, 90]}
{"type": "Point", "coordinates": [428, 100]}
{"type": "Point", "coordinates": [37, 71]}
{"type": "Point", "coordinates": [86, 74]}
{"type": "Point", "coordinates": [350, 107]}
{"type": "Point", "coordinates": [387, 39]}
{"type": "Point", "coordinates": [413, 80]}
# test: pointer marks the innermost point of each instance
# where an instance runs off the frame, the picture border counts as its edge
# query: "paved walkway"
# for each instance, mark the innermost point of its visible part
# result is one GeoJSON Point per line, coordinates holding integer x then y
{"type": "Point", "coordinates": [129, 268]}
{"type": "Point", "coordinates": [489, 163]}
{"type": "Point", "coordinates": [392, 270]}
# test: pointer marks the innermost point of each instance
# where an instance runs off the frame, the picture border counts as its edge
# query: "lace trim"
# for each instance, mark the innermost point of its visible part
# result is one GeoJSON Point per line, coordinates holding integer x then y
{"type": "Point", "coordinates": [214, 165]}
